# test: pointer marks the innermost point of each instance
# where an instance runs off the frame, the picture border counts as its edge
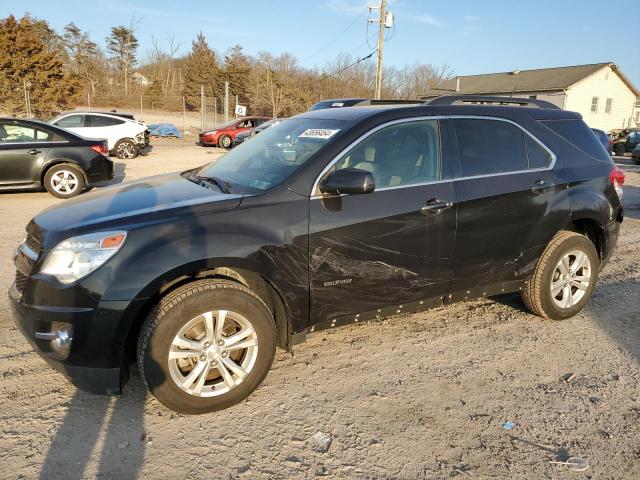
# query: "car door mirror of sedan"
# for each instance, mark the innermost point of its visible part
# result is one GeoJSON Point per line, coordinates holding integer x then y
{"type": "Point", "coordinates": [348, 181]}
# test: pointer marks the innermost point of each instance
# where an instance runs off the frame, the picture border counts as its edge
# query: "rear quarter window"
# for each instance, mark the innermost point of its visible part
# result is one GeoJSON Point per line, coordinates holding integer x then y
{"type": "Point", "coordinates": [579, 135]}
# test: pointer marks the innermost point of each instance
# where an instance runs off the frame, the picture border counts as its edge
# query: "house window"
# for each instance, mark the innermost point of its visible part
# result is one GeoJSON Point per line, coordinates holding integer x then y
{"type": "Point", "coordinates": [608, 105]}
{"type": "Point", "coordinates": [594, 104]}
{"type": "Point", "coordinates": [638, 116]}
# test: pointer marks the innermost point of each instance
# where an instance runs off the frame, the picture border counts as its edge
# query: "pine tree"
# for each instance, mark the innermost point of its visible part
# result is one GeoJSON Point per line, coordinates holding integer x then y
{"type": "Point", "coordinates": [29, 58]}
{"type": "Point", "coordinates": [236, 71]}
{"type": "Point", "coordinates": [122, 45]}
{"type": "Point", "coordinates": [154, 94]}
{"type": "Point", "coordinates": [201, 69]}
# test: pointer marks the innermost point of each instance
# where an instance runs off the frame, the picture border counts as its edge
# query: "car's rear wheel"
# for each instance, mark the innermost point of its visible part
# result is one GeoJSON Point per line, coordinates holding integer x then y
{"type": "Point", "coordinates": [225, 141]}
{"type": "Point", "coordinates": [126, 149]}
{"type": "Point", "coordinates": [64, 180]}
{"type": "Point", "coordinates": [564, 278]}
{"type": "Point", "coordinates": [619, 149]}
{"type": "Point", "coordinates": [206, 346]}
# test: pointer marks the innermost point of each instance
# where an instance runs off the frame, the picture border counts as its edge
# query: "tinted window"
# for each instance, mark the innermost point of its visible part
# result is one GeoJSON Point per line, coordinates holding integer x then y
{"type": "Point", "coordinates": [403, 154]}
{"type": "Point", "coordinates": [11, 133]}
{"type": "Point", "coordinates": [99, 121]}
{"type": "Point", "coordinates": [577, 133]}
{"type": "Point", "coordinates": [536, 153]}
{"type": "Point", "coordinates": [489, 147]}
{"type": "Point", "coordinates": [72, 121]}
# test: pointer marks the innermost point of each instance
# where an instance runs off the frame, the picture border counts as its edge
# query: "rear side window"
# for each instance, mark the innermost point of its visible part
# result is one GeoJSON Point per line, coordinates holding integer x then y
{"type": "Point", "coordinates": [489, 146]}
{"type": "Point", "coordinates": [577, 133]}
{"type": "Point", "coordinates": [98, 121]}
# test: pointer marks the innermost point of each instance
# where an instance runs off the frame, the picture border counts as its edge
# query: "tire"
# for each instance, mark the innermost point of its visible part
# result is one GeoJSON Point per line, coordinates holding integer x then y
{"type": "Point", "coordinates": [126, 149]}
{"type": "Point", "coordinates": [619, 149]}
{"type": "Point", "coordinates": [183, 313]}
{"type": "Point", "coordinates": [225, 141]}
{"type": "Point", "coordinates": [537, 293]}
{"type": "Point", "coordinates": [636, 160]}
{"type": "Point", "coordinates": [64, 180]}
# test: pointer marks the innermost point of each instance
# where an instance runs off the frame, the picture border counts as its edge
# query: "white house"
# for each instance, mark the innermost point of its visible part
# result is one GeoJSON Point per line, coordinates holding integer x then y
{"type": "Point", "coordinates": [140, 79]}
{"type": "Point", "coordinates": [600, 92]}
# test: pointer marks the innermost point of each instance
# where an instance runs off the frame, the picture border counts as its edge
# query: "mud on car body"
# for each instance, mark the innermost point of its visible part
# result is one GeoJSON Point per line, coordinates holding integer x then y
{"type": "Point", "coordinates": [331, 217]}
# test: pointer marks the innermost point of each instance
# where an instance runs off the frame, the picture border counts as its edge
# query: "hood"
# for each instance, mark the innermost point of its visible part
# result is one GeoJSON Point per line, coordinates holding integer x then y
{"type": "Point", "coordinates": [146, 200]}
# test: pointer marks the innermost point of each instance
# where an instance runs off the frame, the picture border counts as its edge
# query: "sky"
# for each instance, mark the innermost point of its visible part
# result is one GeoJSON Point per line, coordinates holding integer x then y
{"type": "Point", "coordinates": [471, 37]}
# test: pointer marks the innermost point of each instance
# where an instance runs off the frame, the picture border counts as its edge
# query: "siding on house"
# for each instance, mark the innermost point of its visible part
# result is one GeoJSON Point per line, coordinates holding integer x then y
{"type": "Point", "coordinates": [604, 84]}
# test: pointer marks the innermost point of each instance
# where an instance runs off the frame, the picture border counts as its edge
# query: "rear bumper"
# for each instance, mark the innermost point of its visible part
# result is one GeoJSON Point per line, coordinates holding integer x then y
{"type": "Point", "coordinates": [611, 233]}
{"type": "Point", "coordinates": [101, 170]}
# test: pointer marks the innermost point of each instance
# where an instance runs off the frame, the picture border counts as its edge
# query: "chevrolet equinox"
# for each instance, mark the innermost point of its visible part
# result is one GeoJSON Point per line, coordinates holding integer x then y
{"type": "Point", "coordinates": [330, 217]}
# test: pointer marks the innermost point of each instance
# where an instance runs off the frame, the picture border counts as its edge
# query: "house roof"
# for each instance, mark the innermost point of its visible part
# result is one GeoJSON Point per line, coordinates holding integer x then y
{"type": "Point", "coordinates": [540, 80]}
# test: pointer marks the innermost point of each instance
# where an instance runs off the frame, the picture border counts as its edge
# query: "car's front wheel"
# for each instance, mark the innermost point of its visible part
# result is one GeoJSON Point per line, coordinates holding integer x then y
{"type": "Point", "coordinates": [206, 346]}
{"type": "Point", "coordinates": [126, 149]}
{"type": "Point", "coordinates": [64, 180]}
{"type": "Point", "coordinates": [564, 278]}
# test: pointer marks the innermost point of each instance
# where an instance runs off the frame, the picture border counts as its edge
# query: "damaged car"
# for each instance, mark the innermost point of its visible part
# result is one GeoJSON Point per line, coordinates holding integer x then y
{"type": "Point", "coordinates": [332, 217]}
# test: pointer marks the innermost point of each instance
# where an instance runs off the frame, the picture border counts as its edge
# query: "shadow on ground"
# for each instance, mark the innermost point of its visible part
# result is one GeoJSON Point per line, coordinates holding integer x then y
{"type": "Point", "coordinates": [116, 424]}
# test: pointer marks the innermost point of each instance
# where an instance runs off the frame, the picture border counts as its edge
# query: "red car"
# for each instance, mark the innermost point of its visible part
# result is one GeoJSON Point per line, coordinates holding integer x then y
{"type": "Point", "coordinates": [223, 136]}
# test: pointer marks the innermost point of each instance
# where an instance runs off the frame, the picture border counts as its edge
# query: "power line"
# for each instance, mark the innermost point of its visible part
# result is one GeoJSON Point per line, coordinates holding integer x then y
{"type": "Point", "coordinates": [339, 72]}
{"type": "Point", "coordinates": [334, 40]}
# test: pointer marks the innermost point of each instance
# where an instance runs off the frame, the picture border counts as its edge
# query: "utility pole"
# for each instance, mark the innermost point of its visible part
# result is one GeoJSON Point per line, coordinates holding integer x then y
{"type": "Point", "coordinates": [201, 107]}
{"type": "Point", "coordinates": [385, 21]}
{"type": "Point", "coordinates": [226, 102]}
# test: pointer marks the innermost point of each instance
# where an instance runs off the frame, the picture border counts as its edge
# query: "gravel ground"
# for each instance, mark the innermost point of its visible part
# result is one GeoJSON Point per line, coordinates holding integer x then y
{"type": "Point", "coordinates": [414, 396]}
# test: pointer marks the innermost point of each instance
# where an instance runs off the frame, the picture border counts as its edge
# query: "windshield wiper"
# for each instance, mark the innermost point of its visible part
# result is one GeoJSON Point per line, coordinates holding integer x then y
{"type": "Point", "coordinates": [224, 187]}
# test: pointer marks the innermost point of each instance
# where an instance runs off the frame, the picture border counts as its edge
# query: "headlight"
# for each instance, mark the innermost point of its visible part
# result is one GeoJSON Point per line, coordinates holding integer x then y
{"type": "Point", "coordinates": [210, 132]}
{"type": "Point", "coordinates": [77, 257]}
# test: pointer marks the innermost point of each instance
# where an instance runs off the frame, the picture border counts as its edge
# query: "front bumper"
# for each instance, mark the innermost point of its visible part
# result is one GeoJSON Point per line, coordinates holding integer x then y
{"type": "Point", "coordinates": [208, 140]}
{"type": "Point", "coordinates": [96, 356]}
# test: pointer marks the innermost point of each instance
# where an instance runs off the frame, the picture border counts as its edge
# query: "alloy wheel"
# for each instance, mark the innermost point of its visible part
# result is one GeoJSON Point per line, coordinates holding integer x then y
{"type": "Point", "coordinates": [65, 182]}
{"type": "Point", "coordinates": [126, 150]}
{"type": "Point", "coordinates": [213, 353]}
{"type": "Point", "coordinates": [571, 279]}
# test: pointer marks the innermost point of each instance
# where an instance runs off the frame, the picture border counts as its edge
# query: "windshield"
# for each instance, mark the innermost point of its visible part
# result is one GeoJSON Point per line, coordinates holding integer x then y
{"type": "Point", "coordinates": [268, 159]}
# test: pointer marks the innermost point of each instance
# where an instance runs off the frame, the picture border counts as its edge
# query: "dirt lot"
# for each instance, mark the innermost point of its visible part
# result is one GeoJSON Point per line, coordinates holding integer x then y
{"type": "Point", "coordinates": [415, 396]}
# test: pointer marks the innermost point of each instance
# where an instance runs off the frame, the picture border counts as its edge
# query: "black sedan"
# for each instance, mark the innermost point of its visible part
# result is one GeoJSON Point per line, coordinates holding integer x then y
{"type": "Point", "coordinates": [35, 154]}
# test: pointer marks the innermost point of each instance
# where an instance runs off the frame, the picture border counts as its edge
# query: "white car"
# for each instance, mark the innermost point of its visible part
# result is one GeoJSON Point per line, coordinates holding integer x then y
{"type": "Point", "coordinates": [125, 136]}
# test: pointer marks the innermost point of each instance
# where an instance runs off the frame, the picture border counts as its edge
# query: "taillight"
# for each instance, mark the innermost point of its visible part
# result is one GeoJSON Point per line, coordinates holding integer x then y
{"type": "Point", "coordinates": [101, 148]}
{"type": "Point", "coordinates": [616, 177]}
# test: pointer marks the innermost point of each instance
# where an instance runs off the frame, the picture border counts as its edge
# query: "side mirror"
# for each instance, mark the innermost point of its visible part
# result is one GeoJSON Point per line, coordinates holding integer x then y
{"type": "Point", "coordinates": [349, 181]}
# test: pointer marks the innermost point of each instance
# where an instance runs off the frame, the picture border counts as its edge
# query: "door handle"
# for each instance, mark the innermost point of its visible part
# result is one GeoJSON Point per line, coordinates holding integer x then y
{"type": "Point", "coordinates": [541, 186]}
{"type": "Point", "coordinates": [34, 152]}
{"type": "Point", "coordinates": [435, 206]}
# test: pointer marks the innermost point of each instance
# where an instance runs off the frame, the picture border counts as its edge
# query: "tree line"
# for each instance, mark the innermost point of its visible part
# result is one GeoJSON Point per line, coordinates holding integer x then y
{"type": "Point", "coordinates": [54, 71]}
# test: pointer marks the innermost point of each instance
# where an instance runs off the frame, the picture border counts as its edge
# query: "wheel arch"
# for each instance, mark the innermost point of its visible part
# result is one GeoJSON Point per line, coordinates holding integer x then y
{"type": "Point", "coordinates": [60, 161]}
{"type": "Point", "coordinates": [258, 283]}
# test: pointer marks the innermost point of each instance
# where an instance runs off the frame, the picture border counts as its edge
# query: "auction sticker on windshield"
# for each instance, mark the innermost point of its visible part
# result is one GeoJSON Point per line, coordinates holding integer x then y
{"type": "Point", "coordinates": [323, 133]}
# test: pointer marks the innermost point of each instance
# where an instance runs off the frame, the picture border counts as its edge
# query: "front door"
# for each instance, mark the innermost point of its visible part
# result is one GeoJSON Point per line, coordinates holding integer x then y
{"type": "Point", "coordinates": [391, 247]}
{"type": "Point", "coordinates": [23, 150]}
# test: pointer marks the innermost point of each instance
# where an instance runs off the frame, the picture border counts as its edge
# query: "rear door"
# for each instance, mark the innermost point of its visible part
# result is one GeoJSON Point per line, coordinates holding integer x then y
{"type": "Point", "coordinates": [506, 215]}
{"type": "Point", "coordinates": [392, 247]}
{"type": "Point", "coordinates": [23, 150]}
{"type": "Point", "coordinates": [106, 128]}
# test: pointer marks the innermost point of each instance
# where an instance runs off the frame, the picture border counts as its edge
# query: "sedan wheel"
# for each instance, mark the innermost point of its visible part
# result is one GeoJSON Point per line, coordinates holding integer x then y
{"type": "Point", "coordinates": [64, 180]}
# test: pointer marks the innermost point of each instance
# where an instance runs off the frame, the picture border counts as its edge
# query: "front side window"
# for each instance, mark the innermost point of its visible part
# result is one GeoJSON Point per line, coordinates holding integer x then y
{"type": "Point", "coordinates": [594, 104]}
{"type": "Point", "coordinates": [71, 121]}
{"type": "Point", "coordinates": [489, 147]}
{"type": "Point", "coordinates": [398, 155]}
{"type": "Point", "coordinates": [269, 158]}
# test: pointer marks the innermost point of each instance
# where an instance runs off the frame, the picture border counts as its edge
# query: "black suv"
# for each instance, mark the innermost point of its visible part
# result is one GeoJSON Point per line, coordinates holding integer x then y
{"type": "Point", "coordinates": [334, 216]}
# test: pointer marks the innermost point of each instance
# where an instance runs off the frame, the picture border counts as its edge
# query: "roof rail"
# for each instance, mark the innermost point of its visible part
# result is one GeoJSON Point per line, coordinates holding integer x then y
{"type": "Point", "coordinates": [484, 100]}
